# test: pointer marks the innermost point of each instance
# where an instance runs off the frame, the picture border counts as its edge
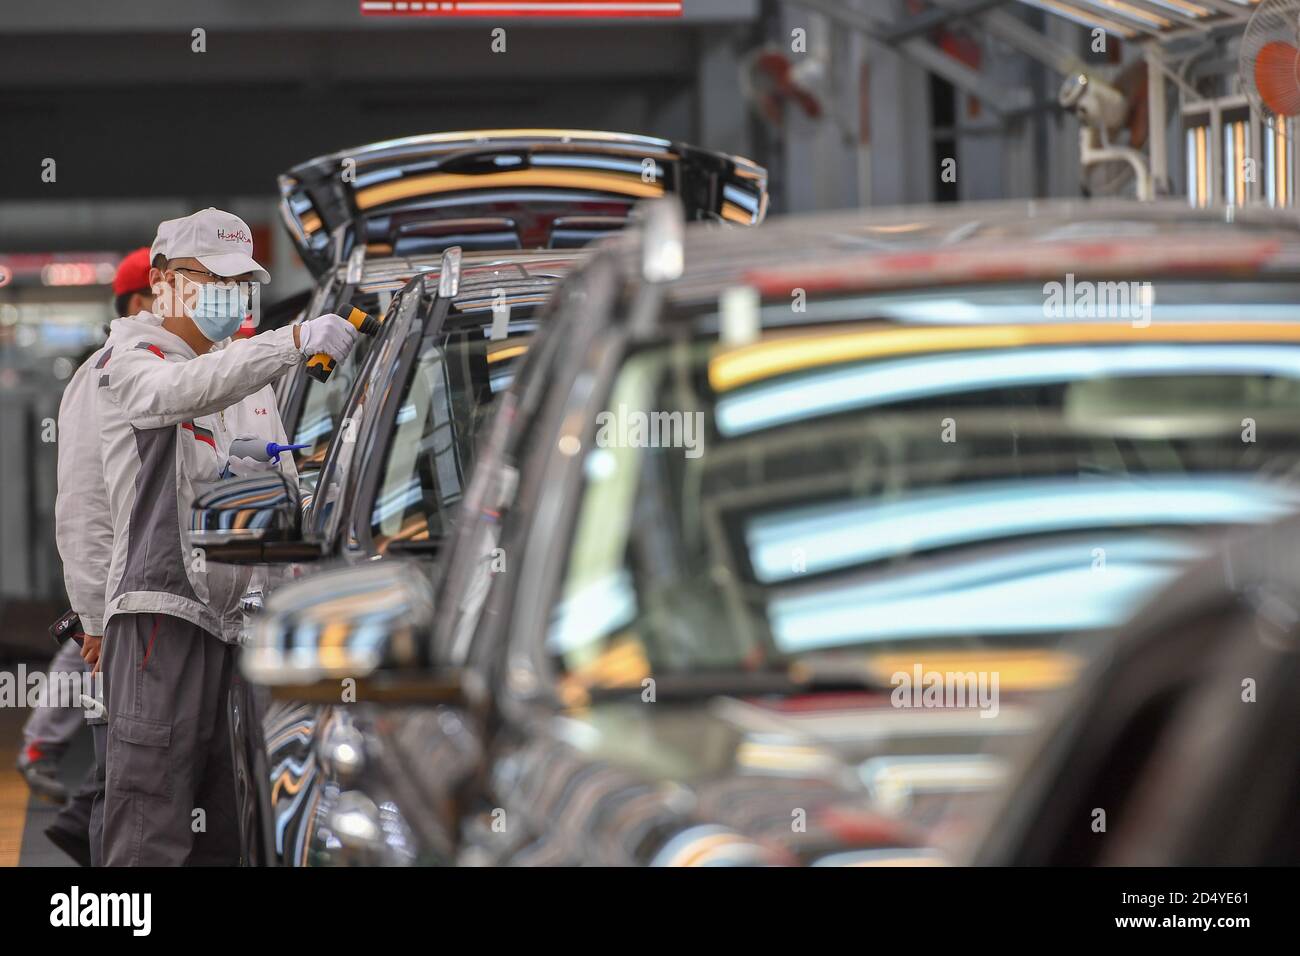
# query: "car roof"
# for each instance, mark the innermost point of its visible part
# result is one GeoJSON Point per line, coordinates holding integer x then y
{"type": "Point", "coordinates": [513, 281]}
{"type": "Point", "coordinates": [974, 243]}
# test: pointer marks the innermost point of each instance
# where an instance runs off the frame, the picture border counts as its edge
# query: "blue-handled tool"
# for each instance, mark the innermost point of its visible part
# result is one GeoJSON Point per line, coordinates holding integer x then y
{"type": "Point", "coordinates": [259, 450]}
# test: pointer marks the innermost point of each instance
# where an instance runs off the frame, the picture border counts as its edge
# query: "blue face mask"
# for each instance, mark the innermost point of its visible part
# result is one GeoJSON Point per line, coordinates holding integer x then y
{"type": "Point", "coordinates": [219, 310]}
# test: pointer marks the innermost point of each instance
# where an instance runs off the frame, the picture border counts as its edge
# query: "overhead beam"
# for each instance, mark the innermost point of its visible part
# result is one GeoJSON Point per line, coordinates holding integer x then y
{"type": "Point", "coordinates": [1226, 6]}
{"type": "Point", "coordinates": [925, 54]}
{"type": "Point", "coordinates": [1168, 14]}
{"type": "Point", "coordinates": [1023, 38]}
{"type": "Point", "coordinates": [1097, 15]}
{"type": "Point", "coordinates": [935, 17]}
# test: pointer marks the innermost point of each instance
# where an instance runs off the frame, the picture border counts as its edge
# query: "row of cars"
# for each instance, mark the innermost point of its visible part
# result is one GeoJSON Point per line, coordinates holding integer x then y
{"type": "Point", "coordinates": [675, 548]}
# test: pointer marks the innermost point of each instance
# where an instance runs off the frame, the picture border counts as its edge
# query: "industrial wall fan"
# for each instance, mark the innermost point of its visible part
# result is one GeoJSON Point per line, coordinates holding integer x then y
{"type": "Point", "coordinates": [1267, 63]}
{"type": "Point", "coordinates": [771, 81]}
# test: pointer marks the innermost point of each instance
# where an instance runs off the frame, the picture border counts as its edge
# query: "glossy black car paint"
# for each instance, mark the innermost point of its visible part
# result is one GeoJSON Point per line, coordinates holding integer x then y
{"type": "Point", "coordinates": [337, 523]}
{"type": "Point", "coordinates": [511, 774]}
{"type": "Point", "coordinates": [503, 189]}
{"type": "Point", "coordinates": [362, 247]}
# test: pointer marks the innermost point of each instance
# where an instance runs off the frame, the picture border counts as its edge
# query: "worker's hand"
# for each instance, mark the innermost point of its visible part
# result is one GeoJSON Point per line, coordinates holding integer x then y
{"type": "Point", "coordinates": [90, 648]}
{"type": "Point", "coordinates": [331, 334]}
{"type": "Point", "coordinates": [242, 467]}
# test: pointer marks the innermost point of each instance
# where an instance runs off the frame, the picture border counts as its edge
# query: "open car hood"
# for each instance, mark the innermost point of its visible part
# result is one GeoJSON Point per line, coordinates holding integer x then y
{"type": "Point", "coordinates": [502, 189]}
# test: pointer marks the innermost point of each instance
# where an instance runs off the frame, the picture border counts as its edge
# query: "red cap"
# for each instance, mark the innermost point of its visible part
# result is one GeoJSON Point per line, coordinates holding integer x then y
{"type": "Point", "coordinates": [132, 272]}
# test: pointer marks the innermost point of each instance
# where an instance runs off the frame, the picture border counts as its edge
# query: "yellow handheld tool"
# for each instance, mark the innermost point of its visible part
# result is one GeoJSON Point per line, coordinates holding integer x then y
{"type": "Point", "coordinates": [320, 365]}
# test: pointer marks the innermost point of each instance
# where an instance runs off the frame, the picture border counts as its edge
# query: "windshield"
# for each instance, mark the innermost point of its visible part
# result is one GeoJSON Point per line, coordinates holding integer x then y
{"type": "Point", "coordinates": [857, 487]}
{"type": "Point", "coordinates": [444, 412]}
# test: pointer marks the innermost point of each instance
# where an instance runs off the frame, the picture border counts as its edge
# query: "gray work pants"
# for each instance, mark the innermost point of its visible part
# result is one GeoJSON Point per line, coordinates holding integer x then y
{"type": "Point", "coordinates": [170, 789]}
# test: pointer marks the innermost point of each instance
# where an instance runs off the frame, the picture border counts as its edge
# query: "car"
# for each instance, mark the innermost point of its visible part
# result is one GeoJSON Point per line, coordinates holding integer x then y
{"type": "Point", "coordinates": [1178, 747]}
{"type": "Point", "coordinates": [365, 220]}
{"type": "Point", "coordinates": [393, 433]}
{"type": "Point", "coordinates": [392, 478]}
{"type": "Point", "coordinates": [918, 459]}
{"type": "Point", "coordinates": [511, 210]}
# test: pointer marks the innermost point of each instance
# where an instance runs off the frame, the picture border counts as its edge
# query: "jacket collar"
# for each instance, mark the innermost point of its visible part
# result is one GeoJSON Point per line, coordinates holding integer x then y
{"type": "Point", "coordinates": [147, 327]}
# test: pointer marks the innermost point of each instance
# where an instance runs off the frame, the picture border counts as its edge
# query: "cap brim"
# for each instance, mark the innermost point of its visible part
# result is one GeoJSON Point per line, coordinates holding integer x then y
{"type": "Point", "coordinates": [234, 264]}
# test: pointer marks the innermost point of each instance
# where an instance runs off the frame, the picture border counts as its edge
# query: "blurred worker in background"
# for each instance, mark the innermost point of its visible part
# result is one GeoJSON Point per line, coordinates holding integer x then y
{"type": "Point", "coordinates": [172, 620]}
{"type": "Point", "coordinates": [84, 536]}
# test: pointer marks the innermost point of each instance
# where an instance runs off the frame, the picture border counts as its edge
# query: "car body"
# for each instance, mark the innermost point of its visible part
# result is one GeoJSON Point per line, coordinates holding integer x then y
{"type": "Point", "coordinates": [524, 719]}
{"type": "Point", "coordinates": [500, 190]}
{"type": "Point", "coordinates": [365, 220]}
{"type": "Point", "coordinates": [1178, 748]}
{"type": "Point", "coordinates": [391, 435]}
{"type": "Point", "coordinates": [403, 445]}
{"type": "Point", "coordinates": [311, 409]}
{"type": "Point", "coordinates": [517, 204]}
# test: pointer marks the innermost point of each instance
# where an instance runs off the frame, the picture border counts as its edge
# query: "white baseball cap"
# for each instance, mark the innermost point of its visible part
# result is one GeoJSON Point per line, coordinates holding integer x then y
{"type": "Point", "coordinates": [220, 240]}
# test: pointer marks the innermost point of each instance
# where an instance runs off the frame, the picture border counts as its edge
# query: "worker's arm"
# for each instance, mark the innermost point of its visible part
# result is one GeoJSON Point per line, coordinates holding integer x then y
{"type": "Point", "coordinates": [83, 527]}
{"type": "Point", "coordinates": [85, 546]}
{"type": "Point", "coordinates": [153, 393]}
{"type": "Point", "coordinates": [85, 570]}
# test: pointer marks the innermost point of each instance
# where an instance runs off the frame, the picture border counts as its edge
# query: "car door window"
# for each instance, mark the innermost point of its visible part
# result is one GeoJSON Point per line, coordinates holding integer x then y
{"type": "Point", "coordinates": [355, 431]}
{"type": "Point", "coordinates": [443, 415]}
{"type": "Point", "coordinates": [324, 402]}
{"type": "Point", "coordinates": [517, 430]}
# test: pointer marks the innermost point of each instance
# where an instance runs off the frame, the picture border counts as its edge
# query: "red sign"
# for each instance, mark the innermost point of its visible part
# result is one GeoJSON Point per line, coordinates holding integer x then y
{"type": "Point", "coordinates": [521, 8]}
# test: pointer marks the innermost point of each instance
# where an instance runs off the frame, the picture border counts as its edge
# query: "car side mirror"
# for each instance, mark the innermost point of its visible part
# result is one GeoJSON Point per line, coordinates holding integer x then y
{"type": "Point", "coordinates": [251, 520]}
{"type": "Point", "coordinates": [370, 624]}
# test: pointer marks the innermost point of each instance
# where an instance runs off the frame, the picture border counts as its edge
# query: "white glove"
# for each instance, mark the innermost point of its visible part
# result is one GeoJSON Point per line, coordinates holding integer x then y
{"type": "Point", "coordinates": [331, 334]}
{"type": "Point", "coordinates": [242, 467]}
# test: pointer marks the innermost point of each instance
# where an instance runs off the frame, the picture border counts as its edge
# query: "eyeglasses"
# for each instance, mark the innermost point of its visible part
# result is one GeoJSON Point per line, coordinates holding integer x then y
{"type": "Point", "coordinates": [208, 276]}
{"type": "Point", "coordinates": [248, 289]}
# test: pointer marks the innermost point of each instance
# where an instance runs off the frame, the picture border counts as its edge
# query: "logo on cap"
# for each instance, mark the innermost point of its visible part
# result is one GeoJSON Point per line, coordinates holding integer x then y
{"type": "Point", "coordinates": [239, 236]}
